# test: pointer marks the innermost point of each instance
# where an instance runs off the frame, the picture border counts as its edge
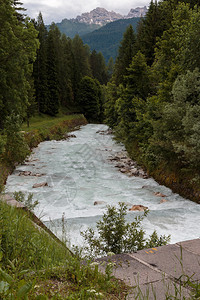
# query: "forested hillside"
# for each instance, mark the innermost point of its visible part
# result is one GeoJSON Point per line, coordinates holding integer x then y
{"type": "Point", "coordinates": [153, 98]}
{"type": "Point", "coordinates": [72, 27]}
{"type": "Point", "coordinates": [107, 39]}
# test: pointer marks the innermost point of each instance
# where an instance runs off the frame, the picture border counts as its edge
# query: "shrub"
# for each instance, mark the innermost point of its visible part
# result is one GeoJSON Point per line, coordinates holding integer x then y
{"type": "Point", "coordinates": [117, 236]}
{"type": "Point", "coordinates": [16, 149]}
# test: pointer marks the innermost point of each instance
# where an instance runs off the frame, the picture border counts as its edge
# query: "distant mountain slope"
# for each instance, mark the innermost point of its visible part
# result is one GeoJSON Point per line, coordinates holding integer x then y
{"type": "Point", "coordinates": [73, 27]}
{"type": "Point", "coordinates": [107, 38]}
{"type": "Point", "coordinates": [90, 21]}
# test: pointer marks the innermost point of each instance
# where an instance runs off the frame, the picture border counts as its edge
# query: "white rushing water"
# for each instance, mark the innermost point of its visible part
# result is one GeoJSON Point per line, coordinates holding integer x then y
{"type": "Point", "coordinates": [78, 172]}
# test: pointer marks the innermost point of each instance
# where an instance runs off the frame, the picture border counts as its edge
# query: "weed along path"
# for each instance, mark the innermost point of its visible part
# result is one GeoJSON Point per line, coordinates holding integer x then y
{"type": "Point", "coordinates": [75, 179]}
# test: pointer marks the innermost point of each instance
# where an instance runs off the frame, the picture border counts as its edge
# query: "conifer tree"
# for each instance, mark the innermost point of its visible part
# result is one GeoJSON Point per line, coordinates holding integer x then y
{"type": "Point", "coordinates": [89, 98]}
{"type": "Point", "coordinates": [151, 27]}
{"type": "Point", "coordinates": [98, 67]}
{"type": "Point", "coordinates": [40, 68]}
{"type": "Point", "coordinates": [126, 52]}
{"type": "Point", "coordinates": [52, 75]}
{"type": "Point", "coordinates": [66, 73]}
{"type": "Point", "coordinates": [81, 66]}
{"type": "Point", "coordinates": [18, 44]}
{"type": "Point", "coordinates": [110, 68]}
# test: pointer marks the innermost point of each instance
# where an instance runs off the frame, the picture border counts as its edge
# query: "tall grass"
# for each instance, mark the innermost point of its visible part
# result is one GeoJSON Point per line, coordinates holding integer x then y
{"type": "Point", "coordinates": [35, 266]}
{"type": "Point", "coordinates": [26, 244]}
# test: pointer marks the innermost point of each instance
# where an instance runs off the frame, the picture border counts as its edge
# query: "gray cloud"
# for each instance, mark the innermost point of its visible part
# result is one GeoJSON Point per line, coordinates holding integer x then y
{"type": "Point", "coordinates": [56, 10]}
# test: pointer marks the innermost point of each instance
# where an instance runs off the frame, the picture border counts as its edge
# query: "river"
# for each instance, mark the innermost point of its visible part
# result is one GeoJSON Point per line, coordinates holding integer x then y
{"type": "Point", "coordinates": [78, 173]}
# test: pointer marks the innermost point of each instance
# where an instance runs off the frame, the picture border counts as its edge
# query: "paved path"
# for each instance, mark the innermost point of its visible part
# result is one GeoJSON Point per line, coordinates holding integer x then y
{"type": "Point", "coordinates": [159, 272]}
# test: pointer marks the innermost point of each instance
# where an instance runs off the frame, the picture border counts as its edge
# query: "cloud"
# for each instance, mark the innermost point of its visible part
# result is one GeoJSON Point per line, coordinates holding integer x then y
{"type": "Point", "coordinates": [56, 10]}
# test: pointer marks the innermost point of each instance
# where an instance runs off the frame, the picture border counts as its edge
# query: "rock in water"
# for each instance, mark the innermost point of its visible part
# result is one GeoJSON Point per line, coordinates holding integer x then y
{"type": "Point", "coordinates": [37, 185]}
{"type": "Point", "coordinates": [138, 208]}
{"type": "Point", "coordinates": [99, 202]}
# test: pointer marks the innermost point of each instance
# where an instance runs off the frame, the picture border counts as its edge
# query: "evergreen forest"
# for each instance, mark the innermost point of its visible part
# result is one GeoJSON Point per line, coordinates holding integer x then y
{"type": "Point", "coordinates": [150, 95]}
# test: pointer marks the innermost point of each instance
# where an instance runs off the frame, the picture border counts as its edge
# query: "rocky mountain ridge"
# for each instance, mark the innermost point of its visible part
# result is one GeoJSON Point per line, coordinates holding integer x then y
{"type": "Point", "coordinates": [100, 16]}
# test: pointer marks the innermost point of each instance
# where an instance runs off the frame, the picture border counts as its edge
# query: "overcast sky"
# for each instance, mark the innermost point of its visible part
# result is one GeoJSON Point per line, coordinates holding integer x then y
{"type": "Point", "coordinates": [56, 10]}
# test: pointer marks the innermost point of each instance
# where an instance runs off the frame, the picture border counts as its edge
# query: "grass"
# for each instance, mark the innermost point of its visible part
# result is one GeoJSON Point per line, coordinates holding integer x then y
{"type": "Point", "coordinates": [34, 265]}
{"type": "Point", "coordinates": [45, 122]}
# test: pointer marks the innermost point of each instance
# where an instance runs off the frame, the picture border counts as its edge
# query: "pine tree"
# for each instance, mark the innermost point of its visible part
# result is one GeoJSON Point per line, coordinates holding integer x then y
{"type": "Point", "coordinates": [40, 68]}
{"type": "Point", "coordinates": [125, 54]}
{"type": "Point", "coordinates": [98, 67]}
{"type": "Point", "coordinates": [66, 73]}
{"type": "Point", "coordinates": [89, 98]}
{"type": "Point", "coordinates": [151, 27]}
{"type": "Point", "coordinates": [52, 75]}
{"type": "Point", "coordinates": [18, 46]}
{"type": "Point", "coordinates": [81, 66]}
{"type": "Point", "coordinates": [110, 68]}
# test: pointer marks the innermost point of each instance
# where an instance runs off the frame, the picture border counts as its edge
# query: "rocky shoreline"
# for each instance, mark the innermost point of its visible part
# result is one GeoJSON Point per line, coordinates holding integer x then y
{"type": "Point", "coordinates": [127, 166]}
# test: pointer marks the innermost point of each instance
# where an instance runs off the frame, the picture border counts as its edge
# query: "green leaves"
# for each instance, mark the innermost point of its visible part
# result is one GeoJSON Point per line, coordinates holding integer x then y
{"type": "Point", "coordinates": [18, 46]}
{"type": "Point", "coordinates": [126, 51]}
{"type": "Point", "coordinates": [90, 98]}
{"type": "Point", "coordinates": [115, 235]}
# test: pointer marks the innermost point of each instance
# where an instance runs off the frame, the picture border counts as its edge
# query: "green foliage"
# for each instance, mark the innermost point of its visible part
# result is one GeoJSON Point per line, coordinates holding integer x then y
{"type": "Point", "coordinates": [110, 68]}
{"type": "Point", "coordinates": [16, 149]}
{"type": "Point", "coordinates": [130, 103]}
{"type": "Point", "coordinates": [35, 266]}
{"type": "Point", "coordinates": [111, 116]}
{"type": "Point", "coordinates": [150, 28]}
{"type": "Point", "coordinates": [156, 109]}
{"type": "Point", "coordinates": [90, 98]}
{"type": "Point", "coordinates": [98, 67]}
{"type": "Point", "coordinates": [21, 197]}
{"type": "Point", "coordinates": [40, 68]}
{"type": "Point", "coordinates": [2, 145]}
{"type": "Point", "coordinates": [126, 52]}
{"type": "Point", "coordinates": [24, 245]}
{"type": "Point", "coordinates": [117, 236]}
{"type": "Point", "coordinates": [18, 45]}
{"type": "Point", "coordinates": [178, 129]}
{"type": "Point", "coordinates": [60, 66]}
{"type": "Point", "coordinates": [10, 288]}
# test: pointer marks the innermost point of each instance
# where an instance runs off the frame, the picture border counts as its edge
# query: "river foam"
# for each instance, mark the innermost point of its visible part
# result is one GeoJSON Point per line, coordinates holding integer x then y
{"type": "Point", "coordinates": [78, 173]}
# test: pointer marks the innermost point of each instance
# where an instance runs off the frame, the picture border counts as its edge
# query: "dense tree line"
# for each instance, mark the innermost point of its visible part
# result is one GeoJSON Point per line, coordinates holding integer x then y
{"type": "Point", "coordinates": [43, 71]}
{"type": "Point", "coordinates": [153, 98]}
{"type": "Point", "coordinates": [62, 64]}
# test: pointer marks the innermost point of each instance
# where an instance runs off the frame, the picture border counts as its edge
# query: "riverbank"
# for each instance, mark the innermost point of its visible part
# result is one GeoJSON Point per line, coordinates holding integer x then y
{"type": "Point", "coordinates": [35, 265]}
{"type": "Point", "coordinates": [42, 128]}
{"type": "Point", "coordinates": [78, 173]}
{"type": "Point", "coordinates": [184, 182]}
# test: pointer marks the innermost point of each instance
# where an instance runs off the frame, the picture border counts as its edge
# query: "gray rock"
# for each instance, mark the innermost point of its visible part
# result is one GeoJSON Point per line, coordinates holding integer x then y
{"type": "Point", "coordinates": [38, 185]}
{"type": "Point", "coordinates": [99, 202]}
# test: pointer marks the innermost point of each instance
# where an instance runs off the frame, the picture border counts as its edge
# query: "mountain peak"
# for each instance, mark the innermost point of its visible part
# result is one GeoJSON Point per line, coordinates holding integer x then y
{"type": "Point", "coordinates": [98, 16]}
{"type": "Point", "coordinates": [137, 12]}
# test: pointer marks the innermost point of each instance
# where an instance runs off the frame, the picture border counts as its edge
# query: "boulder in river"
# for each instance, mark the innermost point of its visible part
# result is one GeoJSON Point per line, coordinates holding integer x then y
{"type": "Point", "coordinates": [163, 201]}
{"type": "Point", "coordinates": [29, 173]}
{"type": "Point", "coordinates": [138, 208]}
{"type": "Point", "coordinates": [99, 202]}
{"type": "Point", "coordinates": [41, 184]}
{"type": "Point", "coordinates": [158, 194]}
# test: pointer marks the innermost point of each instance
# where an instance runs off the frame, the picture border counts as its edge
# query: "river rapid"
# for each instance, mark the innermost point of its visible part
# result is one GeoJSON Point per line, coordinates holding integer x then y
{"type": "Point", "coordinates": [79, 172]}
